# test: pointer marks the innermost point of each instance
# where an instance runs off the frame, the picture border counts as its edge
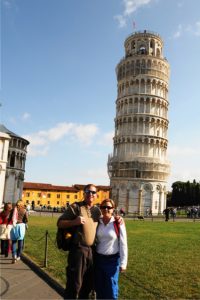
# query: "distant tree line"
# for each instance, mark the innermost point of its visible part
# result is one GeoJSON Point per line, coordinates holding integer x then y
{"type": "Point", "coordinates": [184, 194]}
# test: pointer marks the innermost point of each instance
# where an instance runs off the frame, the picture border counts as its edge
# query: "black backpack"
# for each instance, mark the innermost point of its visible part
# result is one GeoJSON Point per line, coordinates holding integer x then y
{"type": "Point", "coordinates": [65, 236]}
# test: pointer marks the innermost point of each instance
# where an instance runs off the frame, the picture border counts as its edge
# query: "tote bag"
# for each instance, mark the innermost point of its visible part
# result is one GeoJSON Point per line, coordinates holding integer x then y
{"type": "Point", "coordinates": [5, 231]}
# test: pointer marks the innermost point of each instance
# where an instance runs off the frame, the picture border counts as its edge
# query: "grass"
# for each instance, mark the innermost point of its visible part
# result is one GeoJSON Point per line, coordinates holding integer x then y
{"type": "Point", "coordinates": [163, 257]}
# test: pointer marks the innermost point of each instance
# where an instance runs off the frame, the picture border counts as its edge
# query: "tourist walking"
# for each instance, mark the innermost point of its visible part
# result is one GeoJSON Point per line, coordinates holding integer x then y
{"type": "Point", "coordinates": [166, 211]}
{"type": "Point", "coordinates": [19, 219]}
{"type": "Point", "coordinates": [5, 227]}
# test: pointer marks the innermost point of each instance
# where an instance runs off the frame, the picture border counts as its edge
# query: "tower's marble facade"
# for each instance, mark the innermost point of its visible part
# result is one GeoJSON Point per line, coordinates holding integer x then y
{"type": "Point", "coordinates": [14, 160]}
{"type": "Point", "coordinates": [138, 167]}
{"type": "Point", "coordinates": [4, 144]}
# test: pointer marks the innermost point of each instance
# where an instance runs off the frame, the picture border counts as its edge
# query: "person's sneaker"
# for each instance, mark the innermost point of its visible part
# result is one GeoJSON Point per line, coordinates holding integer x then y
{"type": "Point", "coordinates": [14, 260]}
{"type": "Point", "coordinates": [18, 258]}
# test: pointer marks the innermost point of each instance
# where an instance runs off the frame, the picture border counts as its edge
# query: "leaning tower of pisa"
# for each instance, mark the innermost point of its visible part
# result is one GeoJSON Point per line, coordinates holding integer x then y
{"type": "Point", "coordinates": [138, 168]}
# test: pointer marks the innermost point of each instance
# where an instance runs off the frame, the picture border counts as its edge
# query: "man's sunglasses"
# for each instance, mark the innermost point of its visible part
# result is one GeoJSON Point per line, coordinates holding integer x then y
{"type": "Point", "coordinates": [90, 192]}
{"type": "Point", "coordinates": [106, 207]}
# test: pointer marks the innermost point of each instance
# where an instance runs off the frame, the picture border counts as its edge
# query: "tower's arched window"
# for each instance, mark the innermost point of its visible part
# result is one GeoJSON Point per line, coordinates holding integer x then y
{"type": "Point", "coordinates": [151, 43]}
{"type": "Point", "coordinates": [133, 45]}
{"type": "Point", "coordinates": [137, 174]}
{"type": "Point", "coordinates": [152, 47]}
{"type": "Point", "coordinates": [137, 67]}
{"type": "Point", "coordinates": [142, 50]}
{"type": "Point", "coordinates": [12, 159]}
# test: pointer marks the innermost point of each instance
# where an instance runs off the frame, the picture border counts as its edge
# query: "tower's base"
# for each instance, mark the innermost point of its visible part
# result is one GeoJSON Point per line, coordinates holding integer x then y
{"type": "Point", "coordinates": [139, 197]}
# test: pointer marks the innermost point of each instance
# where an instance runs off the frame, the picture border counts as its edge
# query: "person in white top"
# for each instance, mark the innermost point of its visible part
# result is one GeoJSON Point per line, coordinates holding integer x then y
{"type": "Point", "coordinates": [111, 252]}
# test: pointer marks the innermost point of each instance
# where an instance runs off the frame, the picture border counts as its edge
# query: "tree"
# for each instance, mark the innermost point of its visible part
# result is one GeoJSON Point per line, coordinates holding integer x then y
{"type": "Point", "coordinates": [185, 193]}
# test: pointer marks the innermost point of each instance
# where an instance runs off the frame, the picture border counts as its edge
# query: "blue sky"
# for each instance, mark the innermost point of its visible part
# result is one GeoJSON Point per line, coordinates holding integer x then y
{"type": "Point", "coordinates": [58, 84]}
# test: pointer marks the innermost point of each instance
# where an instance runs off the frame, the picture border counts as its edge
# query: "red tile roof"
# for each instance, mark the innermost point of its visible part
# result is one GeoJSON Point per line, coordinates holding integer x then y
{"type": "Point", "coordinates": [48, 187]}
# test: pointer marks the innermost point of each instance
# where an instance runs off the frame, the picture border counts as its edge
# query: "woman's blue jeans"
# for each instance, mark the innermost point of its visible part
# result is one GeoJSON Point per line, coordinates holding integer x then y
{"type": "Point", "coordinates": [106, 276]}
{"type": "Point", "coordinates": [17, 251]}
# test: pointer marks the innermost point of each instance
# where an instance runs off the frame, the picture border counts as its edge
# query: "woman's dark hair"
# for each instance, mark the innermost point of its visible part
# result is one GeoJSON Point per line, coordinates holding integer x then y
{"type": "Point", "coordinates": [7, 205]}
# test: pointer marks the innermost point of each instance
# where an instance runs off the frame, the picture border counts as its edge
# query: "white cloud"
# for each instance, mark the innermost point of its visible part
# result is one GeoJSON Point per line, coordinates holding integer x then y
{"type": "Point", "coordinates": [185, 163]}
{"type": "Point", "coordinates": [85, 133]}
{"type": "Point", "coordinates": [192, 29]}
{"type": "Point", "coordinates": [56, 133]}
{"type": "Point", "coordinates": [197, 28]}
{"type": "Point", "coordinates": [182, 151]}
{"type": "Point", "coordinates": [12, 120]}
{"type": "Point", "coordinates": [37, 152]}
{"type": "Point", "coordinates": [180, 4]}
{"type": "Point", "coordinates": [183, 174]}
{"type": "Point", "coordinates": [106, 139]}
{"type": "Point", "coordinates": [40, 141]}
{"type": "Point", "coordinates": [36, 140]}
{"type": "Point", "coordinates": [25, 116]}
{"type": "Point", "coordinates": [9, 4]}
{"type": "Point", "coordinates": [178, 33]}
{"type": "Point", "coordinates": [130, 6]}
{"type": "Point", "coordinates": [95, 175]}
{"type": "Point", "coordinates": [121, 20]}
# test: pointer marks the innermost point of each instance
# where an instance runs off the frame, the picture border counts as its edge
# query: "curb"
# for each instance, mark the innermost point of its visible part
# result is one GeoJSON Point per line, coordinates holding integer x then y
{"type": "Point", "coordinates": [42, 274]}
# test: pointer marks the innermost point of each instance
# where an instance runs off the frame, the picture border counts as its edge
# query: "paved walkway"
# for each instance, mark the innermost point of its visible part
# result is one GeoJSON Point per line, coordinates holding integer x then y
{"type": "Point", "coordinates": [19, 281]}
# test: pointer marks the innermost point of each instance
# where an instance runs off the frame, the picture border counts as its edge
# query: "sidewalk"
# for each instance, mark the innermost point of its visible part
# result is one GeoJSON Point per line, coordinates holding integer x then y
{"type": "Point", "coordinates": [19, 281]}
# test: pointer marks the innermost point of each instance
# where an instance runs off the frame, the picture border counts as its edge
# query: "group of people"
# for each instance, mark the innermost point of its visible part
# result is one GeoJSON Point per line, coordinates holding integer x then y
{"type": "Point", "coordinates": [13, 222]}
{"type": "Point", "coordinates": [98, 252]}
{"type": "Point", "coordinates": [193, 212]}
{"type": "Point", "coordinates": [99, 249]}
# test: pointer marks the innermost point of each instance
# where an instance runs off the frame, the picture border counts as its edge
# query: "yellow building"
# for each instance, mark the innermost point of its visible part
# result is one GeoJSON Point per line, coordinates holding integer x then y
{"type": "Point", "coordinates": [48, 195]}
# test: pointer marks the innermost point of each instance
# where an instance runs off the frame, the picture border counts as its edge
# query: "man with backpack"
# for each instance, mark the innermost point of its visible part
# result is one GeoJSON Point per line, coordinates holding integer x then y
{"type": "Point", "coordinates": [83, 218]}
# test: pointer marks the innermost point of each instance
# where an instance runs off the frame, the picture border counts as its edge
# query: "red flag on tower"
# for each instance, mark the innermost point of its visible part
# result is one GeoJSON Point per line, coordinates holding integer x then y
{"type": "Point", "coordinates": [134, 25]}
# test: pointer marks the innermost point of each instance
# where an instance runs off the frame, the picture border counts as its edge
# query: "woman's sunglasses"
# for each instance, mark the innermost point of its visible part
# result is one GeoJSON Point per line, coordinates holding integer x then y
{"type": "Point", "coordinates": [106, 207]}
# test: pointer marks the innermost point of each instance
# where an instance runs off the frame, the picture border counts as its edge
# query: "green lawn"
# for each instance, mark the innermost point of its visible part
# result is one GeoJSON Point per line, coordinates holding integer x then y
{"type": "Point", "coordinates": [163, 259]}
